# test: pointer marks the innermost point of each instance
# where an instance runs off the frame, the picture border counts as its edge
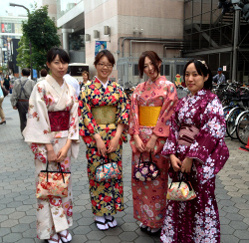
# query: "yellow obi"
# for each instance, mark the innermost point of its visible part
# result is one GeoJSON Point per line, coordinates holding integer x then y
{"type": "Point", "coordinates": [104, 114]}
{"type": "Point", "coordinates": [148, 115]}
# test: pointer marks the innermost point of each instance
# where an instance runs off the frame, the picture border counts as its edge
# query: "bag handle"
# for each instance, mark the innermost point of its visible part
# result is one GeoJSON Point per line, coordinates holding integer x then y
{"type": "Point", "coordinates": [60, 171]}
{"type": "Point", "coordinates": [141, 158]}
{"type": "Point", "coordinates": [182, 177]}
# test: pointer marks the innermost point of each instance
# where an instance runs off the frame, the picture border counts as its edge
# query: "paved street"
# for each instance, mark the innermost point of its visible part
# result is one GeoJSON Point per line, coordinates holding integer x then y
{"type": "Point", "coordinates": [17, 190]}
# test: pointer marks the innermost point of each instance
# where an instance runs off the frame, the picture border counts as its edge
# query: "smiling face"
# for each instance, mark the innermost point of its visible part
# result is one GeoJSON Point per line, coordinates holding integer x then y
{"type": "Point", "coordinates": [194, 81]}
{"type": "Point", "coordinates": [104, 69]}
{"type": "Point", "coordinates": [150, 70]}
{"type": "Point", "coordinates": [58, 68]}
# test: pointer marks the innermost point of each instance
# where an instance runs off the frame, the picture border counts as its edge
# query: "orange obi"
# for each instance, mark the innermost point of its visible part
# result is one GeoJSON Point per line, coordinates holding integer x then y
{"type": "Point", "coordinates": [104, 114]}
{"type": "Point", "coordinates": [148, 115]}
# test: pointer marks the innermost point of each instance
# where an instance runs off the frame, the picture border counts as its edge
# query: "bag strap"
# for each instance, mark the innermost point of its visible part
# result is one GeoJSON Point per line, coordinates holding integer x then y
{"type": "Point", "coordinates": [60, 171]}
{"type": "Point", "coordinates": [22, 89]}
{"type": "Point", "coordinates": [141, 158]}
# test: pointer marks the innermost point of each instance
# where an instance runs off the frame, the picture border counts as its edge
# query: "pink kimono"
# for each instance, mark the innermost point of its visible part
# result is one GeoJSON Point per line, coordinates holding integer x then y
{"type": "Point", "coordinates": [149, 198]}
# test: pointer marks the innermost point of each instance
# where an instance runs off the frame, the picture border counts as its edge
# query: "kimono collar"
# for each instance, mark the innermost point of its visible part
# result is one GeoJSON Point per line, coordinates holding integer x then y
{"type": "Point", "coordinates": [53, 83]}
{"type": "Point", "coordinates": [200, 93]}
{"type": "Point", "coordinates": [98, 83]}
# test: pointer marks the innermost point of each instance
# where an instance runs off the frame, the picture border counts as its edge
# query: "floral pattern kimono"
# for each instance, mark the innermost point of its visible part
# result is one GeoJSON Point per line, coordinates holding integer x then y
{"type": "Point", "coordinates": [106, 197]}
{"type": "Point", "coordinates": [197, 220]}
{"type": "Point", "coordinates": [149, 198]}
{"type": "Point", "coordinates": [55, 214]}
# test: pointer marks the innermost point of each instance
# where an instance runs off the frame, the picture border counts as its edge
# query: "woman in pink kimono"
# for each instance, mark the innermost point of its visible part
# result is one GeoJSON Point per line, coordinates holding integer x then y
{"type": "Point", "coordinates": [52, 139]}
{"type": "Point", "coordinates": [148, 134]}
{"type": "Point", "coordinates": [201, 154]}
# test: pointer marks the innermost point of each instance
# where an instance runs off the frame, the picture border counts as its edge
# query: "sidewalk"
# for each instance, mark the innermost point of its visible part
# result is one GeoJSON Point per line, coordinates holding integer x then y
{"type": "Point", "coordinates": [17, 190]}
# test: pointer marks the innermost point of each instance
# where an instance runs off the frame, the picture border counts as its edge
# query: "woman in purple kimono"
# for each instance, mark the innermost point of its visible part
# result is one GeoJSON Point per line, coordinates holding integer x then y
{"type": "Point", "coordinates": [202, 158]}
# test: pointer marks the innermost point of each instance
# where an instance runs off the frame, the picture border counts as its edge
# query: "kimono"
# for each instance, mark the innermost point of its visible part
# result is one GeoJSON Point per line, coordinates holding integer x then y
{"type": "Point", "coordinates": [149, 198]}
{"type": "Point", "coordinates": [197, 220]}
{"type": "Point", "coordinates": [55, 214]}
{"type": "Point", "coordinates": [107, 196]}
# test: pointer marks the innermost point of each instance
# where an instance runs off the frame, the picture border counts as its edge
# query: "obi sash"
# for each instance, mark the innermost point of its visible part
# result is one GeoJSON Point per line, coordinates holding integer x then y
{"type": "Point", "coordinates": [187, 134]}
{"type": "Point", "coordinates": [148, 115]}
{"type": "Point", "coordinates": [104, 114]}
{"type": "Point", "coordinates": [59, 120]}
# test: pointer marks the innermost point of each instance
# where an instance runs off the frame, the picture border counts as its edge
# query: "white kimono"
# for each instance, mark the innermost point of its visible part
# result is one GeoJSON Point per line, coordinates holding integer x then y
{"type": "Point", "coordinates": [53, 215]}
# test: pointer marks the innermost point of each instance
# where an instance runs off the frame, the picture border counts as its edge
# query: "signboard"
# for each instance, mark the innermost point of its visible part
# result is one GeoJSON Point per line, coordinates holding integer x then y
{"type": "Point", "coordinates": [99, 46]}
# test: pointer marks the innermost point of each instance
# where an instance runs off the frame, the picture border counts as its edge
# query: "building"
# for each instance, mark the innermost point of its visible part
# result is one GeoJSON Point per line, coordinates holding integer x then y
{"type": "Point", "coordinates": [10, 34]}
{"type": "Point", "coordinates": [177, 30]}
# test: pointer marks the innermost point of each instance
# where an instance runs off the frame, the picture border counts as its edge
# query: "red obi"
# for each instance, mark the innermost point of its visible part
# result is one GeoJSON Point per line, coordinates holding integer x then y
{"type": "Point", "coordinates": [59, 120]}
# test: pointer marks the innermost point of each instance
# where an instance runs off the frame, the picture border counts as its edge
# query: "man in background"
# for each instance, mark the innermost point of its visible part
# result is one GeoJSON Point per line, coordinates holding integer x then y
{"type": "Point", "coordinates": [20, 96]}
{"type": "Point", "coordinates": [73, 82]}
{"type": "Point", "coordinates": [43, 75]}
{"type": "Point", "coordinates": [219, 78]}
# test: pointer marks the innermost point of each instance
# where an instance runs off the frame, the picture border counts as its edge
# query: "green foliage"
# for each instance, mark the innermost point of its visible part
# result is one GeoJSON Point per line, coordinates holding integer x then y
{"type": "Point", "coordinates": [23, 59]}
{"type": "Point", "coordinates": [41, 31]}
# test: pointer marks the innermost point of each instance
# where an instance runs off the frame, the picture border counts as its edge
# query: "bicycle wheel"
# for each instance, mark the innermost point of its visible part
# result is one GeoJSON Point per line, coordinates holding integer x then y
{"type": "Point", "coordinates": [230, 122]}
{"type": "Point", "coordinates": [242, 128]}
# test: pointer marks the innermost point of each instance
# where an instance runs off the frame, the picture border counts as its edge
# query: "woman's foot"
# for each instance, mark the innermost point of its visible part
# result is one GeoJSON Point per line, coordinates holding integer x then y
{"type": "Point", "coordinates": [54, 239]}
{"type": "Point", "coordinates": [111, 221]}
{"type": "Point", "coordinates": [65, 236]}
{"type": "Point", "coordinates": [3, 122]}
{"type": "Point", "coordinates": [143, 227]}
{"type": "Point", "coordinates": [154, 231]}
{"type": "Point", "coordinates": [101, 223]}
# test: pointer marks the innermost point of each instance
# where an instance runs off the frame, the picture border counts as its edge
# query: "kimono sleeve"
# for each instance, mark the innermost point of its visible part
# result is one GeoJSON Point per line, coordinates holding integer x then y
{"type": "Point", "coordinates": [171, 142]}
{"type": "Point", "coordinates": [211, 132]}
{"type": "Point", "coordinates": [134, 120]}
{"type": "Point", "coordinates": [163, 123]}
{"type": "Point", "coordinates": [73, 133]}
{"type": "Point", "coordinates": [87, 124]}
{"type": "Point", "coordinates": [37, 129]}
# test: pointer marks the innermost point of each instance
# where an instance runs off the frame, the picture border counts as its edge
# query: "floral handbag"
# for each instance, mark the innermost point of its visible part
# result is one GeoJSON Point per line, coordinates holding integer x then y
{"type": "Point", "coordinates": [52, 183]}
{"type": "Point", "coordinates": [107, 170]}
{"type": "Point", "coordinates": [181, 190]}
{"type": "Point", "coordinates": [145, 170]}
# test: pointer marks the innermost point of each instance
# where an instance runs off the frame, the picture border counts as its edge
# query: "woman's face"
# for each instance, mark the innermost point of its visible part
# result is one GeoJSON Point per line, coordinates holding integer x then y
{"type": "Point", "coordinates": [104, 69]}
{"type": "Point", "coordinates": [150, 70]}
{"type": "Point", "coordinates": [194, 81]}
{"type": "Point", "coordinates": [85, 77]}
{"type": "Point", "coordinates": [58, 68]}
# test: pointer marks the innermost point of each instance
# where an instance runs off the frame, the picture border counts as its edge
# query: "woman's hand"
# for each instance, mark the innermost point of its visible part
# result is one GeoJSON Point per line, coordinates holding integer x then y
{"type": "Point", "coordinates": [113, 145]}
{"type": "Point", "coordinates": [139, 143]}
{"type": "Point", "coordinates": [100, 144]}
{"type": "Point", "coordinates": [186, 165]}
{"type": "Point", "coordinates": [62, 154]}
{"type": "Point", "coordinates": [51, 156]}
{"type": "Point", "coordinates": [175, 162]}
{"type": "Point", "coordinates": [150, 146]}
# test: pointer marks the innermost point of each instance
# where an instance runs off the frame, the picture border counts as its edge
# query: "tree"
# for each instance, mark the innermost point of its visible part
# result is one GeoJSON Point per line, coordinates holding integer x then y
{"type": "Point", "coordinates": [41, 32]}
{"type": "Point", "coordinates": [23, 57]}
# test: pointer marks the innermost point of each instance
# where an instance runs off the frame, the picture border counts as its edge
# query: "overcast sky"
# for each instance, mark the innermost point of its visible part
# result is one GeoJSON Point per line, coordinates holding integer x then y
{"type": "Point", "coordinates": [6, 10]}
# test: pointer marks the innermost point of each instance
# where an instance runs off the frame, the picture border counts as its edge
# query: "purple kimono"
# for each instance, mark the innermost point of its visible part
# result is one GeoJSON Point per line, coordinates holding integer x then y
{"type": "Point", "coordinates": [197, 220]}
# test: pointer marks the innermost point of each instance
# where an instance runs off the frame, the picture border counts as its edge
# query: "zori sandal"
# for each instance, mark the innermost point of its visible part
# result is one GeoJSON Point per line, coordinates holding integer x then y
{"type": "Point", "coordinates": [65, 236]}
{"type": "Point", "coordinates": [111, 221]}
{"type": "Point", "coordinates": [53, 239]}
{"type": "Point", "coordinates": [143, 227]}
{"type": "Point", "coordinates": [101, 223]}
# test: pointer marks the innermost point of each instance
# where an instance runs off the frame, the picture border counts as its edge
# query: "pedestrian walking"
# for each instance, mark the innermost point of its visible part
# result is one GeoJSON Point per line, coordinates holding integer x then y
{"type": "Point", "coordinates": [52, 131]}
{"type": "Point", "coordinates": [3, 121]}
{"type": "Point", "coordinates": [7, 82]}
{"type": "Point", "coordinates": [196, 148]}
{"type": "Point", "coordinates": [152, 105]}
{"type": "Point", "coordinates": [44, 73]}
{"type": "Point", "coordinates": [85, 76]}
{"type": "Point", "coordinates": [104, 110]}
{"type": "Point", "coordinates": [20, 96]}
{"type": "Point", "coordinates": [73, 82]}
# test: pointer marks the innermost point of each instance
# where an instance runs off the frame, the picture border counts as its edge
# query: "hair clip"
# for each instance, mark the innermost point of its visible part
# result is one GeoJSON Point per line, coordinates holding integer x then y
{"type": "Point", "coordinates": [204, 63]}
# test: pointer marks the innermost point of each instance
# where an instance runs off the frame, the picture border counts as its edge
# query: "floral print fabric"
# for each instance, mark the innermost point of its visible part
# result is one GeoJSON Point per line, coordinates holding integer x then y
{"type": "Point", "coordinates": [55, 214]}
{"type": "Point", "coordinates": [149, 198]}
{"type": "Point", "coordinates": [197, 220]}
{"type": "Point", "coordinates": [106, 197]}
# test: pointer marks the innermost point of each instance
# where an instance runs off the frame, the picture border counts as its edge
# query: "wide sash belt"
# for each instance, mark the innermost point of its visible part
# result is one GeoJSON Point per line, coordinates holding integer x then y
{"type": "Point", "coordinates": [59, 120]}
{"type": "Point", "coordinates": [148, 115]}
{"type": "Point", "coordinates": [104, 114]}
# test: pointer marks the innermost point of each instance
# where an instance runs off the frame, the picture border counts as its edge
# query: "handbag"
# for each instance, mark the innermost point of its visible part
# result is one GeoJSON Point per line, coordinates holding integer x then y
{"type": "Point", "coordinates": [5, 91]}
{"type": "Point", "coordinates": [107, 170]}
{"type": "Point", "coordinates": [187, 134]}
{"type": "Point", "coordinates": [52, 183]}
{"type": "Point", "coordinates": [181, 190]}
{"type": "Point", "coordinates": [145, 170]}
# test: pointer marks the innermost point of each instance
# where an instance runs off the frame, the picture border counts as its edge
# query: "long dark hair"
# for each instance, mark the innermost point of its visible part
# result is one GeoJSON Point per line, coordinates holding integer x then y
{"type": "Point", "coordinates": [202, 69]}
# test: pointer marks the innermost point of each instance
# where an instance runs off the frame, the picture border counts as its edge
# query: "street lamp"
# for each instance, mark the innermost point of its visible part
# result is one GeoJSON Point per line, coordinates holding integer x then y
{"type": "Point", "coordinates": [30, 47]}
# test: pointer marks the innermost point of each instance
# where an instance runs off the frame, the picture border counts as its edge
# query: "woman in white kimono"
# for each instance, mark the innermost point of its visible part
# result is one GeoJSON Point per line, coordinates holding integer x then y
{"type": "Point", "coordinates": [53, 140]}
